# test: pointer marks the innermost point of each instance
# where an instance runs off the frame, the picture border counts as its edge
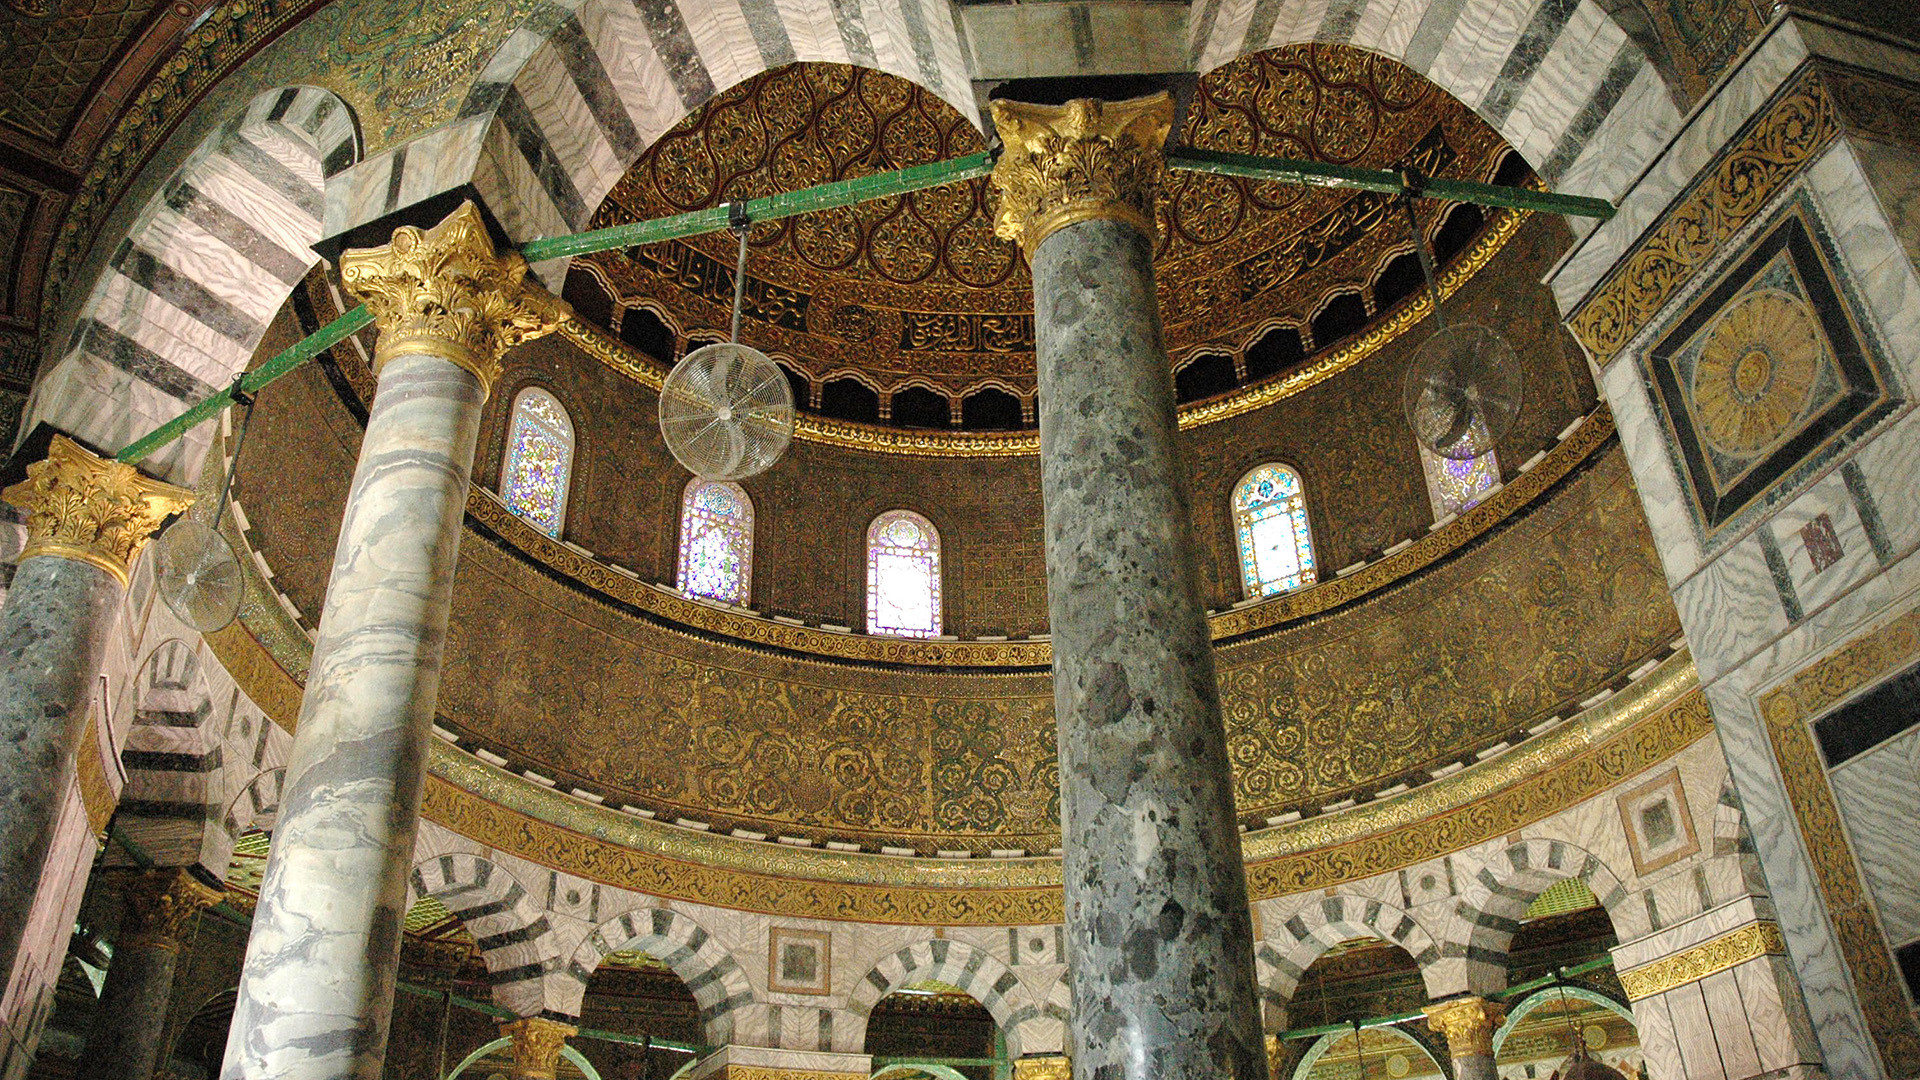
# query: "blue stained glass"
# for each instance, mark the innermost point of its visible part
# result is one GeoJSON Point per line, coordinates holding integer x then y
{"type": "Point", "coordinates": [1270, 523]}
{"type": "Point", "coordinates": [716, 542]}
{"type": "Point", "coordinates": [539, 460]}
{"type": "Point", "coordinates": [903, 575]}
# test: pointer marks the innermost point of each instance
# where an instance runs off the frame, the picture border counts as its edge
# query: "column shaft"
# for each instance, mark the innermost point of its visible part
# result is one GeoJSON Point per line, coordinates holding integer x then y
{"type": "Point", "coordinates": [318, 982]}
{"type": "Point", "coordinates": [87, 518]}
{"type": "Point", "coordinates": [1159, 940]}
{"type": "Point", "coordinates": [130, 1019]}
{"type": "Point", "coordinates": [316, 992]}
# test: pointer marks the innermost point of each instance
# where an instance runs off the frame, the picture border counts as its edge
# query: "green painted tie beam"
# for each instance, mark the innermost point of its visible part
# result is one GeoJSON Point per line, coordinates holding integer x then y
{"type": "Point", "coordinates": [879, 186]}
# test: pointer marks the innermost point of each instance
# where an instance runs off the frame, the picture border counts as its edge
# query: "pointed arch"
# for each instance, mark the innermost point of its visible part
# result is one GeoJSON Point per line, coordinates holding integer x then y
{"type": "Point", "coordinates": [512, 933]}
{"type": "Point", "coordinates": [1271, 531]}
{"type": "Point", "coordinates": [716, 542]}
{"type": "Point", "coordinates": [718, 983]}
{"type": "Point", "coordinates": [188, 293]}
{"type": "Point", "coordinates": [536, 469]}
{"type": "Point", "coordinates": [973, 971]}
{"type": "Point", "coordinates": [1281, 960]}
{"type": "Point", "coordinates": [1496, 899]}
{"type": "Point", "coordinates": [903, 575]}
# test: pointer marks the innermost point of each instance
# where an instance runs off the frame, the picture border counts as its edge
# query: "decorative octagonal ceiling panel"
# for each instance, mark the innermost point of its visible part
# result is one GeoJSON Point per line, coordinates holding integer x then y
{"type": "Point", "coordinates": [916, 288]}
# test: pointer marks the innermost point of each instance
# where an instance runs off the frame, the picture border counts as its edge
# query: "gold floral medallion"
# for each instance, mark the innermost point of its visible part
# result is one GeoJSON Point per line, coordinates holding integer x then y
{"type": "Point", "coordinates": [1759, 366]}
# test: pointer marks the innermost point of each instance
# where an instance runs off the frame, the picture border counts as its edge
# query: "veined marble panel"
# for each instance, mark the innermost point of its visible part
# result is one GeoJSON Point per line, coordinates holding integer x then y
{"type": "Point", "coordinates": [1693, 1033]}
{"type": "Point", "coordinates": [1644, 439]}
{"type": "Point", "coordinates": [1732, 1027]}
{"type": "Point", "coordinates": [1879, 797]}
{"type": "Point", "coordinates": [1730, 607]}
{"type": "Point", "coordinates": [1823, 513]}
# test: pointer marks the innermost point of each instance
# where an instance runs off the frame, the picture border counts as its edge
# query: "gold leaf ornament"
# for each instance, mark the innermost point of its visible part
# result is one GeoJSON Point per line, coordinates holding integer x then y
{"type": "Point", "coordinates": [1083, 161]}
{"type": "Point", "coordinates": [91, 509]}
{"type": "Point", "coordinates": [444, 292]}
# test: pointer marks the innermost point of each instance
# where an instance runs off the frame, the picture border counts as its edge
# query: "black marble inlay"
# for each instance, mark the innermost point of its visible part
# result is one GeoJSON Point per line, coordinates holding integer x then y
{"type": "Point", "coordinates": [1871, 719]}
{"type": "Point", "coordinates": [1909, 957]}
{"type": "Point", "coordinates": [853, 33]}
{"type": "Point", "coordinates": [769, 32]}
{"type": "Point", "coordinates": [533, 146]}
{"type": "Point", "coordinates": [602, 97]}
{"type": "Point", "coordinates": [1542, 29]}
{"type": "Point", "coordinates": [1868, 508]}
{"type": "Point", "coordinates": [1613, 85]}
{"type": "Point", "coordinates": [1782, 580]}
{"type": "Point", "coordinates": [1342, 16]}
{"type": "Point", "coordinates": [674, 44]}
{"type": "Point", "coordinates": [206, 307]}
{"type": "Point", "coordinates": [1432, 33]}
{"type": "Point", "coordinates": [142, 363]}
{"type": "Point", "coordinates": [269, 170]}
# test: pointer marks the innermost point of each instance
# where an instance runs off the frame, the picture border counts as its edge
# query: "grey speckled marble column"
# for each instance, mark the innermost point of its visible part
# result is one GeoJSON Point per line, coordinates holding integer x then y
{"type": "Point", "coordinates": [53, 636]}
{"type": "Point", "coordinates": [124, 1042]}
{"type": "Point", "coordinates": [317, 987]}
{"type": "Point", "coordinates": [1159, 940]}
{"type": "Point", "coordinates": [87, 519]}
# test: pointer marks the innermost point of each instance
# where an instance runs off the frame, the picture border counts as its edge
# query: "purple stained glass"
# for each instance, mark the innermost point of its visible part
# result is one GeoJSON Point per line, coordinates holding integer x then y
{"type": "Point", "coordinates": [903, 575]}
{"type": "Point", "coordinates": [716, 542]}
{"type": "Point", "coordinates": [539, 461]}
{"type": "Point", "coordinates": [1270, 523]}
{"type": "Point", "coordinates": [1458, 486]}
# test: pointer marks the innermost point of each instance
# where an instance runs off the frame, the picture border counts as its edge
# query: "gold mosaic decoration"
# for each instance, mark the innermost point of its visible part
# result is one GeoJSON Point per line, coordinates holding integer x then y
{"type": "Point", "coordinates": [1813, 108]}
{"type": "Point", "coordinates": [1756, 372]}
{"type": "Point", "coordinates": [1750, 942]}
{"type": "Point", "coordinates": [1787, 709]}
{"type": "Point", "coordinates": [917, 289]}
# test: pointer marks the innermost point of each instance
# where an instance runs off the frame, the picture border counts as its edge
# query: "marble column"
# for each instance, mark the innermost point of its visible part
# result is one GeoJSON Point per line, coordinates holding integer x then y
{"type": "Point", "coordinates": [1469, 1024]}
{"type": "Point", "coordinates": [87, 517]}
{"type": "Point", "coordinates": [162, 907]}
{"type": "Point", "coordinates": [537, 1042]}
{"type": "Point", "coordinates": [1159, 939]}
{"type": "Point", "coordinates": [317, 986]}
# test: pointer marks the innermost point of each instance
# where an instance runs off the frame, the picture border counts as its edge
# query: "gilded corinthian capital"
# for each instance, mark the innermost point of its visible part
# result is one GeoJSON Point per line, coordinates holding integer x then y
{"type": "Point", "coordinates": [161, 907]}
{"type": "Point", "coordinates": [444, 292]}
{"type": "Point", "coordinates": [1468, 1023]}
{"type": "Point", "coordinates": [91, 509]}
{"type": "Point", "coordinates": [537, 1041]}
{"type": "Point", "coordinates": [1076, 162]}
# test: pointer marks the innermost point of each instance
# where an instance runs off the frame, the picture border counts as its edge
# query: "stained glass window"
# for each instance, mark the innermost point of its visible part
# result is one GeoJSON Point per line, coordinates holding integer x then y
{"type": "Point", "coordinates": [539, 462]}
{"type": "Point", "coordinates": [716, 542]}
{"type": "Point", "coordinates": [903, 575]}
{"type": "Point", "coordinates": [1455, 487]}
{"type": "Point", "coordinates": [1270, 522]}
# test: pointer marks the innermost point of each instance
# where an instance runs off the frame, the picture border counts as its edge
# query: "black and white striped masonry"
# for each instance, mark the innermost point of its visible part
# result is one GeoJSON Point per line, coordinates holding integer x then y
{"type": "Point", "coordinates": [512, 932]}
{"type": "Point", "coordinates": [187, 295]}
{"type": "Point", "coordinates": [975, 971]}
{"type": "Point", "coordinates": [1283, 958]}
{"type": "Point", "coordinates": [1496, 900]}
{"type": "Point", "coordinates": [715, 979]}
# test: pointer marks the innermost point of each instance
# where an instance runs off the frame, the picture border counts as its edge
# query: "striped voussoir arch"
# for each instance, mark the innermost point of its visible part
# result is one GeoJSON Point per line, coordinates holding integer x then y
{"type": "Point", "coordinates": [966, 968]}
{"type": "Point", "coordinates": [511, 931]}
{"type": "Point", "coordinates": [715, 979]}
{"type": "Point", "coordinates": [581, 87]}
{"type": "Point", "coordinates": [1281, 960]}
{"type": "Point", "coordinates": [1496, 900]}
{"type": "Point", "coordinates": [187, 294]}
{"type": "Point", "coordinates": [1559, 79]}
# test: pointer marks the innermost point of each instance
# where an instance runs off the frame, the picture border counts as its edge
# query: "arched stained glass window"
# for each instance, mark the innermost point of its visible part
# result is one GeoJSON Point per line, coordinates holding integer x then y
{"type": "Point", "coordinates": [1270, 522]}
{"type": "Point", "coordinates": [1454, 487]}
{"type": "Point", "coordinates": [903, 575]}
{"type": "Point", "coordinates": [716, 542]}
{"type": "Point", "coordinates": [539, 461]}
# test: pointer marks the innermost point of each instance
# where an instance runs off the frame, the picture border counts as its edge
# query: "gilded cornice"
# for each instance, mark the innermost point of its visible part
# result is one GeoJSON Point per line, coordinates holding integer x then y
{"type": "Point", "coordinates": [1043, 1067]}
{"type": "Point", "coordinates": [1502, 227]}
{"type": "Point", "coordinates": [1814, 107]}
{"type": "Point", "coordinates": [444, 292]}
{"type": "Point", "coordinates": [1787, 709]}
{"type": "Point", "coordinates": [1750, 942]}
{"type": "Point", "coordinates": [1087, 160]}
{"type": "Point", "coordinates": [91, 509]}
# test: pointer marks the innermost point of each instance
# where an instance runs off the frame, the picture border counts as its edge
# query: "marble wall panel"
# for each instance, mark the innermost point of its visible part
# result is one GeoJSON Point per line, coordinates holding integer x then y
{"type": "Point", "coordinates": [1732, 1025]}
{"type": "Point", "coordinates": [1879, 797]}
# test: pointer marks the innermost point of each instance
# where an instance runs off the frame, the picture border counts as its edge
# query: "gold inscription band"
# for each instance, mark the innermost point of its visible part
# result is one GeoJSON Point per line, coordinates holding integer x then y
{"type": "Point", "coordinates": [1083, 161]}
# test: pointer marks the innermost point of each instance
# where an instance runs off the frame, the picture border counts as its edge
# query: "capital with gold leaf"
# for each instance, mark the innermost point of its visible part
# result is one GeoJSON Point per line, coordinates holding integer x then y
{"type": "Point", "coordinates": [537, 1042]}
{"type": "Point", "coordinates": [1468, 1023]}
{"type": "Point", "coordinates": [444, 292]}
{"type": "Point", "coordinates": [1083, 161]}
{"type": "Point", "coordinates": [1043, 1067]}
{"type": "Point", "coordinates": [162, 905]}
{"type": "Point", "coordinates": [91, 509]}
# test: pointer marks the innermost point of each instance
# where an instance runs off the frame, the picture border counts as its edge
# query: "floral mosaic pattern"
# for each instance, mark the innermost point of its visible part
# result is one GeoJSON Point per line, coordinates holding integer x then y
{"type": "Point", "coordinates": [1458, 486]}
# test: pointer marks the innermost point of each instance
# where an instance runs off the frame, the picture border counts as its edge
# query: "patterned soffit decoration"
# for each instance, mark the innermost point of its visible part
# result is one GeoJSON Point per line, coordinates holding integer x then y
{"type": "Point", "coordinates": [916, 289]}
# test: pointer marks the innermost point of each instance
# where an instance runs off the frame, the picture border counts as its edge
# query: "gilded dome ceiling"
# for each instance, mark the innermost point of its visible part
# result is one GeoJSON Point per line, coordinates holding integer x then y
{"type": "Point", "coordinates": [916, 290]}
